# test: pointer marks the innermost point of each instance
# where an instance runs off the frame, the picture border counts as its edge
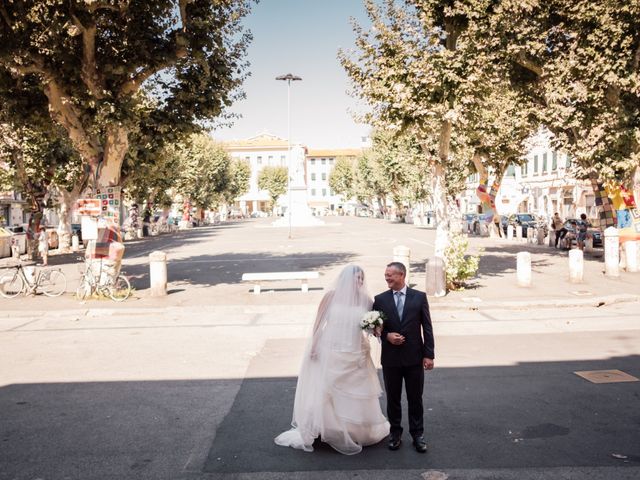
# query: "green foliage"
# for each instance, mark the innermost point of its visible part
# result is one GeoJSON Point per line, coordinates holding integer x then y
{"type": "Point", "coordinates": [342, 178]}
{"type": "Point", "coordinates": [459, 266]}
{"type": "Point", "coordinates": [85, 63]}
{"type": "Point", "coordinates": [203, 171]}
{"type": "Point", "coordinates": [239, 177]}
{"type": "Point", "coordinates": [274, 180]}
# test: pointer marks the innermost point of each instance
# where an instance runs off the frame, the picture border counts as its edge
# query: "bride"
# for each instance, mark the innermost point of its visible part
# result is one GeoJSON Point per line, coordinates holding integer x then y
{"type": "Point", "coordinates": [338, 388]}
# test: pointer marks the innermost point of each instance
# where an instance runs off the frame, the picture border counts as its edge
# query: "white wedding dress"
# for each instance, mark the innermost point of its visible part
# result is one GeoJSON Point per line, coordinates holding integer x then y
{"type": "Point", "coordinates": [338, 390]}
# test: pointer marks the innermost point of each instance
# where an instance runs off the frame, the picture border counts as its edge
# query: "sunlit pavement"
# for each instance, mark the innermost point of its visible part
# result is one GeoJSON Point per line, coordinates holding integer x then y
{"type": "Point", "coordinates": [197, 384]}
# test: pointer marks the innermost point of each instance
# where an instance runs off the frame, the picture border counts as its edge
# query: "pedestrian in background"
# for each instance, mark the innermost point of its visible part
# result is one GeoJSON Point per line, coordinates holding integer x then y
{"type": "Point", "coordinates": [43, 245]}
{"type": "Point", "coordinates": [556, 223]}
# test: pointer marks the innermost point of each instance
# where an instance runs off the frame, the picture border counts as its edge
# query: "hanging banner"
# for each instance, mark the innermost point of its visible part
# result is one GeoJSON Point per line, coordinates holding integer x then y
{"type": "Point", "coordinates": [109, 198]}
{"type": "Point", "coordinates": [88, 206]}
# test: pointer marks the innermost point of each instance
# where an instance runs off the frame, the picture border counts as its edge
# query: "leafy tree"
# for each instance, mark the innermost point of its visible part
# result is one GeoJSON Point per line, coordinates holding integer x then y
{"type": "Point", "coordinates": [342, 178]}
{"type": "Point", "coordinates": [579, 61]}
{"type": "Point", "coordinates": [239, 177]}
{"type": "Point", "coordinates": [274, 180]}
{"type": "Point", "coordinates": [91, 59]}
{"type": "Point", "coordinates": [203, 170]}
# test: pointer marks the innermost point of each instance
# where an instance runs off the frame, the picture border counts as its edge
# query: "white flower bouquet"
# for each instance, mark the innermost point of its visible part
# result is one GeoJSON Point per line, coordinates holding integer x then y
{"type": "Point", "coordinates": [372, 322]}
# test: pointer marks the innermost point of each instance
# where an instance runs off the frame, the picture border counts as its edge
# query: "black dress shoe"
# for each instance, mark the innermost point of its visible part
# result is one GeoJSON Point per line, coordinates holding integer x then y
{"type": "Point", "coordinates": [420, 444]}
{"type": "Point", "coordinates": [394, 443]}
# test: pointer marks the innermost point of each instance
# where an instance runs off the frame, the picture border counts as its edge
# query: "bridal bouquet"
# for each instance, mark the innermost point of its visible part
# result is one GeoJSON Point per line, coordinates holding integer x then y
{"type": "Point", "coordinates": [372, 322]}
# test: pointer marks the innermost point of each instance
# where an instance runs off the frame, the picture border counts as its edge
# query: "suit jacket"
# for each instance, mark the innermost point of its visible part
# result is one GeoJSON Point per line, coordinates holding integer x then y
{"type": "Point", "coordinates": [415, 326]}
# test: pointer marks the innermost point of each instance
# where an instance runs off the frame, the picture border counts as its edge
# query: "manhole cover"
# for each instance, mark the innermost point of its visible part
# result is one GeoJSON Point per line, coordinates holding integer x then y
{"type": "Point", "coordinates": [607, 376]}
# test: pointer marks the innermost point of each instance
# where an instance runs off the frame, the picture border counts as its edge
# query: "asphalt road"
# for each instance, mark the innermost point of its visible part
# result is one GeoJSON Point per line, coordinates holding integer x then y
{"type": "Point", "coordinates": [197, 384]}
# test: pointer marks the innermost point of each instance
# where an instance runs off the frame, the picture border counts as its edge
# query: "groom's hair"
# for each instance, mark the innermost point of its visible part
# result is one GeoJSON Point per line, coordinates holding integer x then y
{"type": "Point", "coordinates": [399, 266]}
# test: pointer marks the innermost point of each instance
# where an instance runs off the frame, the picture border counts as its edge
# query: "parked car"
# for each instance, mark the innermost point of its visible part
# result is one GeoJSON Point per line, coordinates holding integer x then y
{"type": "Point", "coordinates": [471, 223]}
{"type": "Point", "coordinates": [525, 220]}
{"type": "Point", "coordinates": [570, 226]}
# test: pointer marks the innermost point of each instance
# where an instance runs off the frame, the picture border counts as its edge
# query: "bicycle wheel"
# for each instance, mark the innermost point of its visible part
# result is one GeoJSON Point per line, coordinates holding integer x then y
{"type": "Point", "coordinates": [53, 283]}
{"type": "Point", "coordinates": [120, 290]}
{"type": "Point", "coordinates": [11, 284]}
{"type": "Point", "coordinates": [84, 289]}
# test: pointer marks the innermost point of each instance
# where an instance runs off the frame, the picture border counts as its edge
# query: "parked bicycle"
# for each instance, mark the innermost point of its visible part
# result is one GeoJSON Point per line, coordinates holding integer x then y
{"type": "Point", "coordinates": [50, 281]}
{"type": "Point", "coordinates": [94, 280]}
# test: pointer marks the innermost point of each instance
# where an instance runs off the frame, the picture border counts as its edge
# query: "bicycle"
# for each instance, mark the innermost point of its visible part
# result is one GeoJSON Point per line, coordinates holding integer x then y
{"type": "Point", "coordinates": [118, 289]}
{"type": "Point", "coordinates": [51, 281]}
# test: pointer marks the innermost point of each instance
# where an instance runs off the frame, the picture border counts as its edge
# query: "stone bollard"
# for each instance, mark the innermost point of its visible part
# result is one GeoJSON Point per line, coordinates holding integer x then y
{"type": "Point", "coordinates": [158, 273]}
{"type": "Point", "coordinates": [588, 244]}
{"type": "Point", "coordinates": [509, 232]}
{"type": "Point", "coordinates": [519, 237]}
{"type": "Point", "coordinates": [523, 269]}
{"type": "Point", "coordinates": [576, 266]}
{"type": "Point", "coordinates": [15, 252]}
{"type": "Point", "coordinates": [611, 252]}
{"type": "Point", "coordinates": [540, 236]}
{"type": "Point", "coordinates": [631, 252]}
{"type": "Point", "coordinates": [75, 243]}
{"type": "Point", "coordinates": [552, 238]}
{"type": "Point", "coordinates": [531, 235]}
{"type": "Point", "coordinates": [402, 254]}
{"type": "Point", "coordinates": [436, 278]}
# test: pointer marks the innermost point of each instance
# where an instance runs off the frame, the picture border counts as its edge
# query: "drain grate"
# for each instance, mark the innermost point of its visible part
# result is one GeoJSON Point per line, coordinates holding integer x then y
{"type": "Point", "coordinates": [607, 376]}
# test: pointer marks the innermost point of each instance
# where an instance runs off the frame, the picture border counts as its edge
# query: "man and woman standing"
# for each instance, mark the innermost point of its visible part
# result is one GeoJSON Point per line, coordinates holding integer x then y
{"type": "Point", "coordinates": [338, 388]}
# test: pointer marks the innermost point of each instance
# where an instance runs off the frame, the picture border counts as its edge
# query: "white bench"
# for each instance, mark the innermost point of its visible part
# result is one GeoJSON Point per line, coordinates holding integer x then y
{"type": "Point", "coordinates": [265, 276]}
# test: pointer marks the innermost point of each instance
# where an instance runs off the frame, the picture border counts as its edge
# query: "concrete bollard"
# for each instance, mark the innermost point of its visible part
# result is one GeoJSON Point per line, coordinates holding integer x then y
{"type": "Point", "coordinates": [509, 232]}
{"type": "Point", "coordinates": [576, 266]}
{"type": "Point", "coordinates": [519, 237]}
{"type": "Point", "coordinates": [611, 252]}
{"type": "Point", "coordinates": [588, 245]}
{"type": "Point", "coordinates": [523, 269]}
{"type": "Point", "coordinates": [402, 254]}
{"type": "Point", "coordinates": [436, 278]}
{"type": "Point", "coordinates": [540, 236]}
{"type": "Point", "coordinates": [531, 235]}
{"type": "Point", "coordinates": [552, 238]}
{"type": "Point", "coordinates": [75, 243]}
{"type": "Point", "coordinates": [631, 252]}
{"type": "Point", "coordinates": [158, 273]}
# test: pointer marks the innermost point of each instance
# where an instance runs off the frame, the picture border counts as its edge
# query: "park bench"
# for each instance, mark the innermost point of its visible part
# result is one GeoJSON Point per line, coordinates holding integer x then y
{"type": "Point", "coordinates": [256, 278]}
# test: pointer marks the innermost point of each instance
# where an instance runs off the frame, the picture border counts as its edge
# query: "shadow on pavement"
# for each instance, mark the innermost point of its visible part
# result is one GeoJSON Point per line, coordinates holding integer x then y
{"type": "Point", "coordinates": [227, 268]}
{"type": "Point", "coordinates": [522, 416]}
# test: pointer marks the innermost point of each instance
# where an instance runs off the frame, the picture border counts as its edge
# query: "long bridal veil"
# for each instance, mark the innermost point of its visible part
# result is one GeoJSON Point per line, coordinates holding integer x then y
{"type": "Point", "coordinates": [337, 394]}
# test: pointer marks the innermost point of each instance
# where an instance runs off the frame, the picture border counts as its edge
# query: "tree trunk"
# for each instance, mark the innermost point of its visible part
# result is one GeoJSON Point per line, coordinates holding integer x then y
{"type": "Point", "coordinates": [115, 149]}
{"type": "Point", "coordinates": [440, 206]}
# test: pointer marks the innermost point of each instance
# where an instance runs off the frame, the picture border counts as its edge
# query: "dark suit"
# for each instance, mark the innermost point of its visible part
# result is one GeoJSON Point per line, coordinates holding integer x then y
{"type": "Point", "coordinates": [404, 362]}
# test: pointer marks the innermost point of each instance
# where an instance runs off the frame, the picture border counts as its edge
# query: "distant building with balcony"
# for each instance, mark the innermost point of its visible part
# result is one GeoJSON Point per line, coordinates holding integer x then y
{"type": "Point", "coordinates": [543, 185]}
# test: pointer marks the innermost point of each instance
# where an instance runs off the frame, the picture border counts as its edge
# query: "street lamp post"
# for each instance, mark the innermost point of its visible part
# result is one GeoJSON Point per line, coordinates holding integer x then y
{"type": "Point", "coordinates": [289, 78]}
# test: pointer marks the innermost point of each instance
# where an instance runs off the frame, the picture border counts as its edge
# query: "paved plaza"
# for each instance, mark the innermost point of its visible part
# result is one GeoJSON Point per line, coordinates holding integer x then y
{"type": "Point", "coordinates": [195, 385]}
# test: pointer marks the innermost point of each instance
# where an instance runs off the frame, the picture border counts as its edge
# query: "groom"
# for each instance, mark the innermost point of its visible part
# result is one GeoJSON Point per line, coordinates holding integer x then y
{"type": "Point", "coordinates": [407, 350]}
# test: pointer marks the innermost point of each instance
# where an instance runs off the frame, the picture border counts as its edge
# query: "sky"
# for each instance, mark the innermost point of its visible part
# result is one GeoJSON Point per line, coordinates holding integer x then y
{"type": "Point", "coordinates": [301, 37]}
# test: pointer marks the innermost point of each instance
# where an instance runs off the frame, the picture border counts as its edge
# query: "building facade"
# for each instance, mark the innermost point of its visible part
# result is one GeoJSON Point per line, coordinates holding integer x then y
{"type": "Point", "coordinates": [319, 165]}
{"type": "Point", "coordinates": [542, 185]}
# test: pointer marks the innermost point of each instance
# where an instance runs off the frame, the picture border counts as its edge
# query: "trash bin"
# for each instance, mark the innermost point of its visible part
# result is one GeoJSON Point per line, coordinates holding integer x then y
{"type": "Point", "coordinates": [5, 243]}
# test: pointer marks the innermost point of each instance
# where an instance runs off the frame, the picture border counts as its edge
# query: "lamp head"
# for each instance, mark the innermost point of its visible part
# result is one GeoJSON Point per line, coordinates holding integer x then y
{"type": "Point", "coordinates": [288, 77]}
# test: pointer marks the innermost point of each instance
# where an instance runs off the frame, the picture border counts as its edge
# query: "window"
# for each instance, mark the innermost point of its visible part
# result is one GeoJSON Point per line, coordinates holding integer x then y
{"type": "Point", "coordinates": [323, 161]}
{"type": "Point", "coordinates": [524, 170]}
{"type": "Point", "coordinates": [313, 192]}
{"type": "Point", "coordinates": [554, 160]}
{"type": "Point", "coordinates": [313, 161]}
{"type": "Point", "coordinates": [324, 192]}
{"type": "Point", "coordinates": [331, 161]}
{"type": "Point", "coordinates": [544, 162]}
{"type": "Point", "coordinates": [332, 193]}
{"type": "Point", "coordinates": [568, 161]}
{"type": "Point", "coordinates": [313, 177]}
{"type": "Point", "coordinates": [535, 164]}
{"type": "Point", "coordinates": [282, 159]}
{"type": "Point", "coordinates": [248, 159]}
{"type": "Point", "coordinates": [511, 171]}
{"type": "Point", "coordinates": [324, 176]}
{"type": "Point", "coordinates": [259, 160]}
{"type": "Point", "coordinates": [270, 159]}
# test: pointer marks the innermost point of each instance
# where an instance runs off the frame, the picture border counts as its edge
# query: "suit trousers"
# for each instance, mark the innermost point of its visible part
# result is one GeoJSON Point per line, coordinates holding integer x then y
{"type": "Point", "coordinates": [414, 384]}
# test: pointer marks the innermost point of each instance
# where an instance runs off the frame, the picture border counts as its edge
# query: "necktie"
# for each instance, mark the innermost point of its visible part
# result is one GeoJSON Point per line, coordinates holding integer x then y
{"type": "Point", "coordinates": [399, 303]}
